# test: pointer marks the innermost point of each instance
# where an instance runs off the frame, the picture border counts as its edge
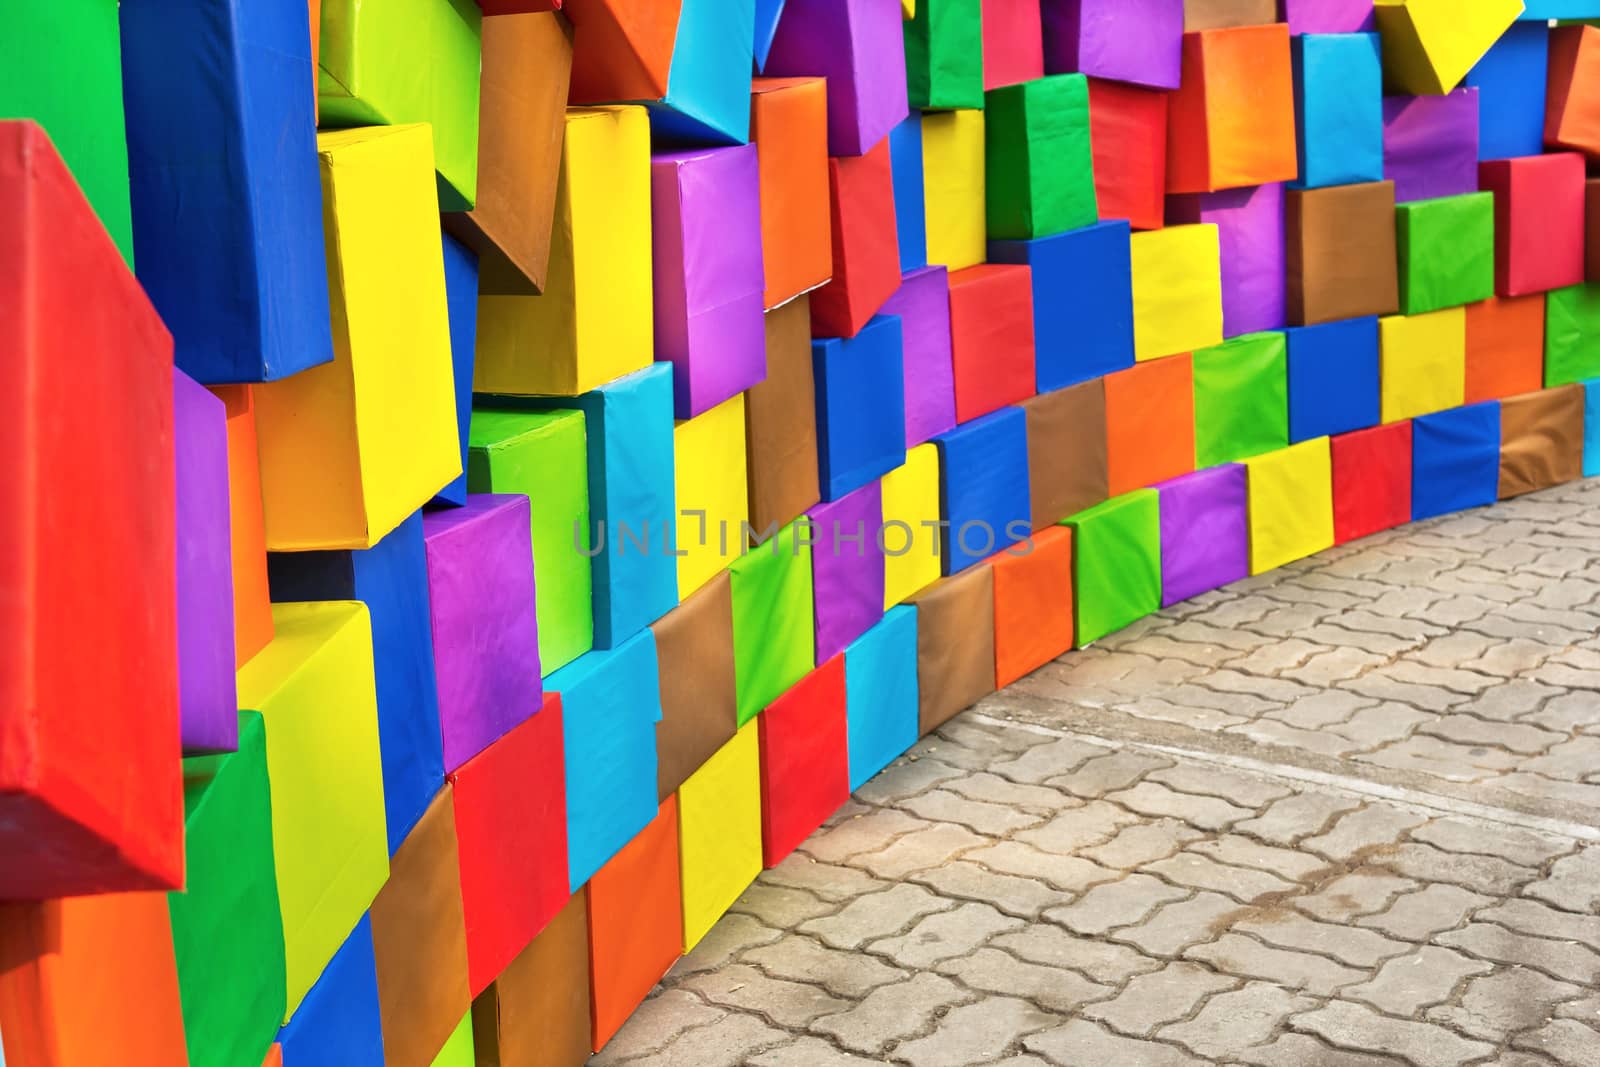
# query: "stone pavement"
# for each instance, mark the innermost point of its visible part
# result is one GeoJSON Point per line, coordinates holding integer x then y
{"type": "Point", "coordinates": [1346, 814]}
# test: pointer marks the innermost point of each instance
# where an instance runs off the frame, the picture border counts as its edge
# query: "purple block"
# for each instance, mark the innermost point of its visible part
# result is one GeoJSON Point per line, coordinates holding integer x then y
{"type": "Point", "coordinates": [858, 45]}
{"type": "Point", "coordinates": [846, 573]}
{"type": "Point", "coordinates": [1430, 144]}
{"type": "Point", "coordinates": [1328, 16]}
{"type": "Point", "coordinates": [1205, 532]}
{"type": "Point", "coordinates": [208, 703]}
{"type": "Point", "coordinates": [705, 221]}
{"type": "Point", "coordinates": [923, 305]}
{"type": "Point", "coordinates": [1250, 226]}
{"type": "Point", "coordinates": [485, 637]}
{"type": "Point", "coordinates": [1139, 41]}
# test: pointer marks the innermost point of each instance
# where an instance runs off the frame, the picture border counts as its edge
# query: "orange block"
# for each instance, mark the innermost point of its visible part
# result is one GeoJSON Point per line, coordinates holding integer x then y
{"type": "Point", "coordinates": [635, 922]}
{"type": "Point", "coordinates": [1232, 123]}
{"type": "Point", "coordinates": [90, 981]}
{"type": "Point", "coordinates": [1572, 91]}
{"type": "Point", "coordinates": [252, 602]}
{"type": "Point", "coordinates": [622, 50]}
{"type": "Point", "coordinates": [274, 1057]}
{"type": "Point", "coordinates": [1505, 347]}
{"type": "Point", "coordinates": [1032, 604]}
{"type": "Point", "coordinates": [1149, 423]}
{"type": "Point", "coordinates": [789, 125]}
{"type": "Point", "coordinates": [316, 44]}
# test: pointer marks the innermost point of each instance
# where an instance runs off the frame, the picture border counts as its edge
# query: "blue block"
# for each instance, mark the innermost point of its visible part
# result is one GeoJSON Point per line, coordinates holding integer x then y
{"type": "Point", "coordinates": [983, 487]}
{"type": "Point", "coordinates": [461, 294]}
{"type": "Point", "coordinates": [881, 700]}
{"type": "Point", "coordinates": [1510, 80]}
{"type": "Point", "coordinates": [910, 214]}
{"type": "Point", "coordinates": [610, 704]}
{"type": "Point", "coordinates": [1455, 460]}
{"type": "Point", "coordinates": [1082, 301]}
{"type": "Point", "coordinates": [1338, 108]}
{"type": "Point", "coordinates": [708, 85]}
{"type": "Point", "coordinates": [391, 578]}
{"type": "Point", "coordinates": [1591, 428]}
{"type": "Point", "coordinates": [222, 174]}
{"type": "Point", "coordinates": [1333, 378]}
{"type": "Point", "coordinates": [767, 13]}
{"type": "Point", "coordinates": [861, 406]}
{"type": "Point", "coordinates": [339, 1022]}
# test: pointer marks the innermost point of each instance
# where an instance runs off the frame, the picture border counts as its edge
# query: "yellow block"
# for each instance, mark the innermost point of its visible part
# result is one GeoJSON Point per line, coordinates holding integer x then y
{"type": "Point", "coordinates": [313, 686]}
{"type": "Point", "coordinates": [1291, 504]}
{"type": "Point", "coordinates": [1177, 290]}
{"type": "Point", "coordinates": [349, 449]}
{"type": "Point", "coordinates": [953, 187]}
{"type": "Point", "coordinates": [594, 321]}
{"type": "Point", "coordinates": [1430, 45]}
{"type": "Point", "coordinates": [1424, 363]}
{"type": "Point", "coordinates": [709, 462]}
{"type": "Point", "coordinates": [458, 1051]}
{"type": "Point", "coordinates": [909, 7]}
{"type": "Point", "coordinates": [911, 496]}
{"type": "Point", "coordinates": [719, 832]}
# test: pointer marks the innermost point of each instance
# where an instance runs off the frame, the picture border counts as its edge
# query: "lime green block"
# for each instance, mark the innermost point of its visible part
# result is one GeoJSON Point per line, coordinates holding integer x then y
{"type": "Point", "coordinates": [226, 928]}
{"type": "Point", "coordinates": [1571, 335]}
{"type": "Point", "coordinates": [1446, 250]}
{"type": "Point", "coordinates": [458, 1051]}
{"type": "Point", "coordinates": [544, 456]}
{"type": "Point", "coordinates": [1241, 399]}
{"type": "Point", "coordinates": [395, 62]}
{"type": "Point", "coordinates": [1040, 168]}
{"type": "Point", "coordinates": [944, 55]}
{"type": "Point", "coordinates": [773, 640]}
{"type": "Point", "coordinates": [63, 69]}
{"type": "Point", "coordinates": [1116, 563]}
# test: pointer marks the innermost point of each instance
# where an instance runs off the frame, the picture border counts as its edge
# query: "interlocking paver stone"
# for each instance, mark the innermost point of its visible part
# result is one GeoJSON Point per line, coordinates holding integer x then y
{"type": "Point", "coordinates": [1236, 1020]}
{"type": "Point", "coordinates": [1152, 1000]}
{"type": "Point", "coordinates": [1248, 958]}
{"type": "Point", "coordinates": [876, 915]}
{"type": "Point", "coordinates": [1349, 1025]}
{"type": "Point", "coordinates": [944, 934]}
{"type": "Point", "coordinates": [1081, 1041]}
{"type": "Point", "coordinates": [1406, 984]}
{"type": "Point", "coordinates": [1430, 910]}
{"type": "Point", "coordinates": [995, 971]}
{"type": "Point", "coordinates": [1198, 872]}
{"type": "Point", "coordinates": [1360, 892]}
{"type": "Point", "coordinates": [965, 880]}
{"type": "Point", "coordinates": [1504, 1003]}
{"type": "Point", "coordinates": [1177, 926]}
{"type": "Point", "coordinates": [974, 1033]}
{"type": "Point", "coordinates": [892, 1012]}
{"type": "Point", "coordinates": [787, 1004]}
{"type": "Point", "coordinates": [1114, 904]}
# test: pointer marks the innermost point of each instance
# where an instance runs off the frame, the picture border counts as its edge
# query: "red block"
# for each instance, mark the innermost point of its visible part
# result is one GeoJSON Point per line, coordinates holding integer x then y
{"type": "Point", "coordinates": [1371, 480]}
{"type": "Point", "coordinates": [866, 248]}
{"type": "Point", "coordinates": [1013, 42]}
{"type": "Point", "coordinates": [1538, 221]}
{"type": "Point", "coordinates": [991, 337]}
{"type": "Point", "coordinates": [91, 789]}
{"type": "Point", "coordinates": [1128, 129]}
{"type": "Point", "coordinates": [511, 827]}
{"type": "Point", "coordinates": [805, 773]}
{"type": "Point", "coordinates": [517, 7]}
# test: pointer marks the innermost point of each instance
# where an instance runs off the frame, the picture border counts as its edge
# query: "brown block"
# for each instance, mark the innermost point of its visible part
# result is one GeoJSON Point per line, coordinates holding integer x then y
{"type": "Point", "coordinates": [1541, 440]}
{"type": "Point", "coordinates": [536, 1014]}
{"type": "Point", "coordinates": [1224, 14]}
{"type": "Point", "coordinates": [1591, 230]}
{"type": "Point", "coordinates": [955, 645]}
{"type": "Point", "coordinates": [1066, 451]}
{"type": "Point", "coordinates": [780, 421]}
{"type": "Point", "coordinates": [527, 60]}
{"type": "Point", "coordinates": [699, 704]}
{"type": "Point", "coordinates": [419, 940]}
{"type": "Point", "coordinates": [1340, 253]}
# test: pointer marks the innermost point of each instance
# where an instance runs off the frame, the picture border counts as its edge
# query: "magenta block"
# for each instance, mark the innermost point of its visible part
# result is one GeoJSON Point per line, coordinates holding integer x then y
{"type": "Point", "coordinates": [922, 303]}
{"type": "Point", "coordinates": [485, 637]}
{"type": "Point", "coordinates": [1139, 41]}
{"type": "Point", "coordinates": [705, 220]}
{"type": "Point", "coordinates": [1328, 16]}
{"type": "Point", "coordinates": [1250, 225]}
{"type": "Point", "coordinates": [858, 45]}
{"type": "Point", "coordinates": [846, 571]}
{"type": "Point", "coordinates": [208, 703]}
{"type": "Point", "coordinates": [1205, 531]}
{"type": "Point", "coordinates": [1430, 144]}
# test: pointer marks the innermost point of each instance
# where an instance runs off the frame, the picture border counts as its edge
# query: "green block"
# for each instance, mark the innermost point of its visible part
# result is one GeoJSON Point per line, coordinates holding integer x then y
{"type": "Point", "coordinates": [1446, 251]}
{"type": "Point", "coordinates": [1116, 563]}
{"type": "Point", "coordinates": [458, 1051]}
{"type": "Point", "coordinates": [1040, 170]}
{"type": "Point", "coordinates": [1571, 335]}
{"type": "Point", "coordinates": [227, 932]}
{"type": "Point", "coordinates": [544, 456]}
{"type": "Point", "coordinates": [944, 55]}
{"type": "Point", "coordinates": [63, 69]}
{"type": "Point", "coordinates": [774, 645]}
{"type": "Point", "coordinates": [1241, 399]}
{"type": "Point", "coordinates": [395, 62]}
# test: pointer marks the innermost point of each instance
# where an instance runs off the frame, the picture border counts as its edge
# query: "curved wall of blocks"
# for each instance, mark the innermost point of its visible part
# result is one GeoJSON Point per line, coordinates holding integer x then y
{"type": "Point", "coordinates": [393, 389]}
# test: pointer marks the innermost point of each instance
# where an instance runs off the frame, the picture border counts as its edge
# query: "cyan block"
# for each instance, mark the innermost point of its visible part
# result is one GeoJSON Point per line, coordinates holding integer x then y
{"type": "Point", "coordinates": [1338, 108]}
{"type": "Point", "coordinates": [910, 214]}
{"type": "Point", "coordinates": [1455, 460]}
{"type": "Point", "coordinates": [1333, 378]}
{"type": "Point", "coordinates": [1591, 428]}
{"type": "Point", "coordinates": [708, 85]}
{"type": "Point", "coordinates": [880, 682]}
{"type": "Point", "coordinates": [861, 406]}
{"type": "Point", "coordinates": [983, 487]}
{"type": "Point", "coordinates": [1510, 80]}
{"type": "Point", "coordinates": [610, 704]}
{"type": "Point", "coordinates": [339, 1022]}
{"type": "Point", "coordinates": [461, 298]}
{"type": "Point", "coordinates": [1082, 301]}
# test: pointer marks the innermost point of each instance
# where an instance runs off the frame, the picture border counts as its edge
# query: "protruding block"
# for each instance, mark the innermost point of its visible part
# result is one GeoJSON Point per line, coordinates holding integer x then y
{"type": "Point", "coordinates": [910, 206]}
{"type": "Point", "coordinates": [865, 250]}
{"type": "Point", "coordinates": [1129, 134]}
{"type": "Point", "coordinates": [1338, 105]}
{"type": "Point", "coordinates": [1231, 123]}
{"type": "Point", "coordinates": [1340, 251]}
{"type": "Point", "coordinates": [1116, 561]}
{"type": "Point", "coordinates": [1455, 460]}
{"type": "Point", "coordinates": [1205, 532]}
{"type": "Point", "coordinates": [1013, 47]}
{"type": "Point", "coordinates": [1250, 231]}
{"type": "Point", "coordinates": [857, 46]}
{"type": "Point", "coordinates": [789, 127]}
{"type": "Point", "coordinates": [699, 697]}
{"type": "Point", "coordinates": [881, 693]}
{"type": "Point", "coordinates": [1241, 402]}
{"type": "Point", "coordinates": [1066, 451]}
{"type": "Point", "coordinates": [955, 645]}
{"type": "Point", "coordinates": [252, 600]}
{"type": "Point", "coordinates": [923, 306]}
{"type": "Point", "coordinates": [991, 337]}
{"type": "Point", "coordinates": [537, 1010]}
{"type": "Point", "coordinates": [1333, 378]}
{"type": "Point", "coordinates": [1177, 290]}
{"type": "Point", "coordinates": [1429, 45]}
{"type": "Point", "coordinates": [1424, 363]}
{"type": "Point", "coordinates": [1571, 333]}
{"type": "Point", "coordinates": [773, 628]}
{"type": "Point", "coordinates": [1430, 144]}
{"type": "Point", "coordinates": [984, 495]}
{"type": "Point", "coordinates": [1511, 82]}
{"type": "Point", "coordinates": [1572, 101]}
{"type": "Point", "coordinates": [944, 55]}
{"type": "Point", "coordinates": [1371, 480]}
{"type": "Point", "coordinates": [1505, 347]}
{"type": "Point", "coordinates": [805, 772]}
{"type": "Point", "coordinates": [1291, 504]}
{"type": "Point", "coordinates": [719, 832]}
{"type": "Point", "coordinates": [1039, 169]}
{"type": "Point", "coordinates": [1225, 14]}
{"type": "Point", "coordinates": [1541, 440]}
{"type": "Point", "coordinates": [1446, 252]}
{"type": "Point", "coordinates": [1138, 41]}
{"type": "Point", "coordinates": [1536, 200]}
{"type": "Point", "coordinates": [911, 533]}
{"type": "Point", "coordinates": [846, 568]}
{"type": "Point", "coordinates": [1329, 16]}
{"type": "Point", "coordinates": [1032, 604]}
{"type": "Point", "coordinates": [461, 299]}
{"type": "Point", "coordinates": [954, 193]}
{"type": "Point", "coordinates": [860, 394]}
{"type": "Point", "coordinates": [340, 1019]}
{"type": "Point", "coordinates": [1149, 423]}
{"type": "Point", "coordinates": [780, 417]}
